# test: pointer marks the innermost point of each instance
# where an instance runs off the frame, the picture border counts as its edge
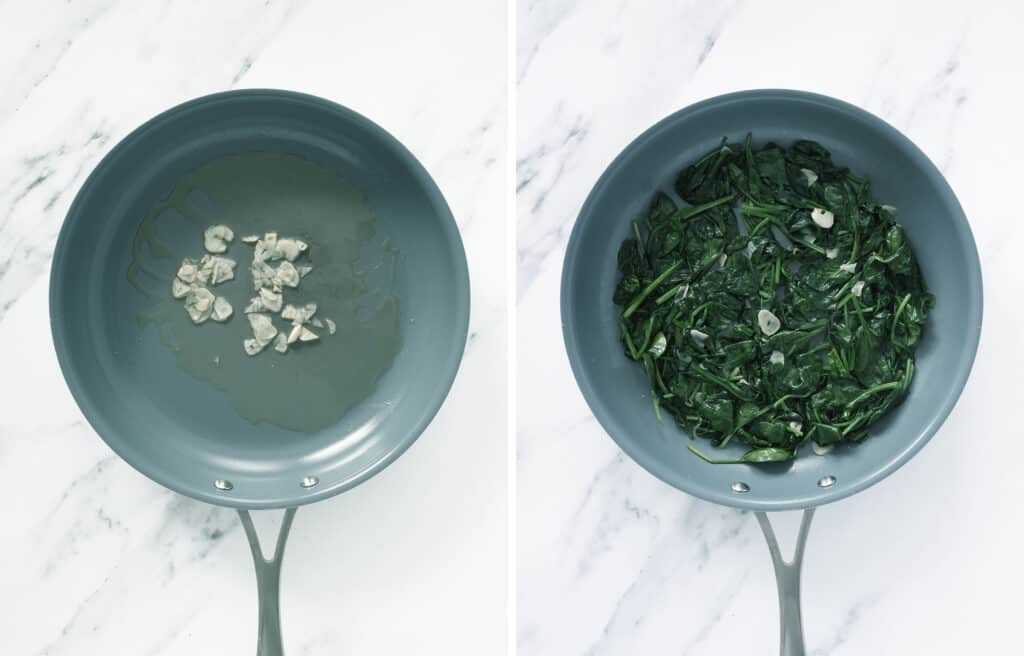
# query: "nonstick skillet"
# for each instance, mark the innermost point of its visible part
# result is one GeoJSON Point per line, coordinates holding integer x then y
{"type": "Point", "coordinates": [184, 404]}
{"type": "Point", "coordinates": [617, 390]}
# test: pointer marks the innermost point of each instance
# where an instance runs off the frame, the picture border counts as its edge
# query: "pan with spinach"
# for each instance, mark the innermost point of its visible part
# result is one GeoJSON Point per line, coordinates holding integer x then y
{"type": "Point", "coordinates": [780, 305]}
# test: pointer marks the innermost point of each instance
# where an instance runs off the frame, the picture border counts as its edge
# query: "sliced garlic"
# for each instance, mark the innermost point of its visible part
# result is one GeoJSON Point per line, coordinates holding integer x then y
{"type": "Point", "coordinates": [263, 275]}
{"type": "Point", "coordinates": [281, 343]}
{"type": "Point", "coordinates": [831, 253]}
{"type": "Point", "coordinates": [287, 275]}
{"type": "Point", "coordinates": [768, 322]}
{"type": "Point", "coordinates": [263, 330]}
{"type": "Point", "coordinates": [188, 270]}
{"type": "Point", "coordinates": [849, 267]}
{"type": "Point", "coordinates": [251, 239]}
{"type": "Point", "coordinates": [304, 270]}
{"type": "Point", "coordinates": [295, 333]}
{"type": "Point", "coordinates": [270, 300]}
{"type": "Point", "coordinates": [199, 304]}
{"type": "Point", "coordinates": [698, 336]}
{"type": "Point", "coordinates": [796, 428]}
{"type": "Point", "coordinates": [252, 346]}
{"type": "Point", "coordinates": [810, 176]}
{"type": "Point", "coordinates": [299, 315]}
{"type": "Point", "coordinates": [216, 238]}
{"type": "Point", "coordinates": [180, 289]}
{"type": "Point", "coordinates": [308, 335]}
{"type": "Point", "coordinates": [658, 345]}
{"type": "Point", "coordinates": [823, 218]}
{"type": "Point", "coordinates": [858, 288]}
{"type": "Point", "coordinates": [331, 326]}
{"type": "Point", "coordinates": [290, 249]}
{"type": "Point", "coordinates": [777, 357]}
{"type": "Point", "coordinates": [265, 248]}
{"type": "Point", "coordinates": [214, 269]}
{"type": "Point", "coordinates": [222, 309]}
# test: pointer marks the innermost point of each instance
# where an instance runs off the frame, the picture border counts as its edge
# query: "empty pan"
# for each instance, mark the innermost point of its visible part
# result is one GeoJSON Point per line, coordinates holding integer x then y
{"type": "Point", "coordinates": [617, 389]}
{"type": "Point", "coordinates": [185, 404]}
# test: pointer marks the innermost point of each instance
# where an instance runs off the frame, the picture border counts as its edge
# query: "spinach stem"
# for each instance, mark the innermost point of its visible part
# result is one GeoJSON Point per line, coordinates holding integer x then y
{"type": "Point", "coordinates": [860, 312]}
{"type": "Point", "coordinates": [647, 335]}
{"type": "Point", "coordinates": [872, 391]}
{"type": "Point", "coordinates": [650, 288]}
{"type": "Point", "coordinates": [685, 213]}
{"type": "Point", "coordinates": [661, 383]}
{"type": "Point", "coordinates": [713, 461]}
{"type": "Point", "coordinates": [846, 287]}
{"type": "Point", "coordinates": [721, 382]}
{"type": "Point", "coordinates": [629, 341]}
{"type": "Point", "coordinates": [763, 223]}
{"type": "Point", "coordinates": [789, 235]}
{"type": "Point", "coordinates": [757, 210]}
{"type": "Point", "coordinates": [639, 242]}
{"type": "Point", "coordinates": [669, 294]}
{"type": "Point", "coordinates": [824, 346]}
{"type": "Point", "coordinates": [896, 317]}
{"type": "Point", "coordinates": [699, 308]}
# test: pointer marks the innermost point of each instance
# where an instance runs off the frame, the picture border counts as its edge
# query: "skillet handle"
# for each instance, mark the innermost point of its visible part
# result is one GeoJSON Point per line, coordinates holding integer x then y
{"type": "Point", "coordinates": [268, 584]}
{"type": "Point", "coordinates": [787, 578]}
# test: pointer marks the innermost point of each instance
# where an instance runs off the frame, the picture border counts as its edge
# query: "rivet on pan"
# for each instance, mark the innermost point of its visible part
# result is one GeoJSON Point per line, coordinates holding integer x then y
{"type": "Point", "coordinates": [826, 481]}
{"type": "Point", "coordinates": [221, 484]}
{"type": "Point", "coordinates": [739, 487]}
{"type": "Point", "coordinates": [309, 481]}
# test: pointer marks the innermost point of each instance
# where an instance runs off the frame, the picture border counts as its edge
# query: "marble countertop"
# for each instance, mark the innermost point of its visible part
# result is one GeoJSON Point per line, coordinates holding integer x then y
{"type": "Point", "coordinates": [610, 560]}
{"type": "Point", "coordinates": [95, 558]}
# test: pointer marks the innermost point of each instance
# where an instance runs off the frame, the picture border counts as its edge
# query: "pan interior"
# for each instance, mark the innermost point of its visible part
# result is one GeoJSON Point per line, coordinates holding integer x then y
{"type": "Point", "coordinates": [353, 280]}
{"type": "Point", "coordinates": [900, 174]}
{"type": "Point", "coordinates": [184, 404]}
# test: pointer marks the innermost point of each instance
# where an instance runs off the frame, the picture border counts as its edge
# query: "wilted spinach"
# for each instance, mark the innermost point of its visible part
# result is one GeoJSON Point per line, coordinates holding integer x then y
{"type": "Point", "coordinates": [781, 304]}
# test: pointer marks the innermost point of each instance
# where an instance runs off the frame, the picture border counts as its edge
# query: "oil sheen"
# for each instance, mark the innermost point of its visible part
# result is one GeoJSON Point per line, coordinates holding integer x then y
{"type": "Point", "coordinates": [353, 282]}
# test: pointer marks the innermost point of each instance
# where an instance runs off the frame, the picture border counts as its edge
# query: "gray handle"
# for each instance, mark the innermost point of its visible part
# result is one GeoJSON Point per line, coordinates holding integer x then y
{"type": "Point", "coordinates": [787, 578]}
{"type": "Point", "coordinates": [268, 584]}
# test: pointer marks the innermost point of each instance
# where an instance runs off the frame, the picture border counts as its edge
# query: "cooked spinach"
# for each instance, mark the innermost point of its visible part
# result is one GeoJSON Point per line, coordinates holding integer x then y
{"type": "Point", "coordinates": [780, 304]}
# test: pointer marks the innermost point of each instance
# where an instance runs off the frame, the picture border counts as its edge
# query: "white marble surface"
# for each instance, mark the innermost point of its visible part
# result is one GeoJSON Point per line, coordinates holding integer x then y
{"type": "Point", "coordinates": [95, 558]}
{"type": "Point", "coordinates": [611, 561]}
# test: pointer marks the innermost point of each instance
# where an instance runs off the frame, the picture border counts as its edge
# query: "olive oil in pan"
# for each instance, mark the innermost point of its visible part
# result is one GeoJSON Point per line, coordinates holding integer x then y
{"type": "Point", "coordinates": [352, 282]}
